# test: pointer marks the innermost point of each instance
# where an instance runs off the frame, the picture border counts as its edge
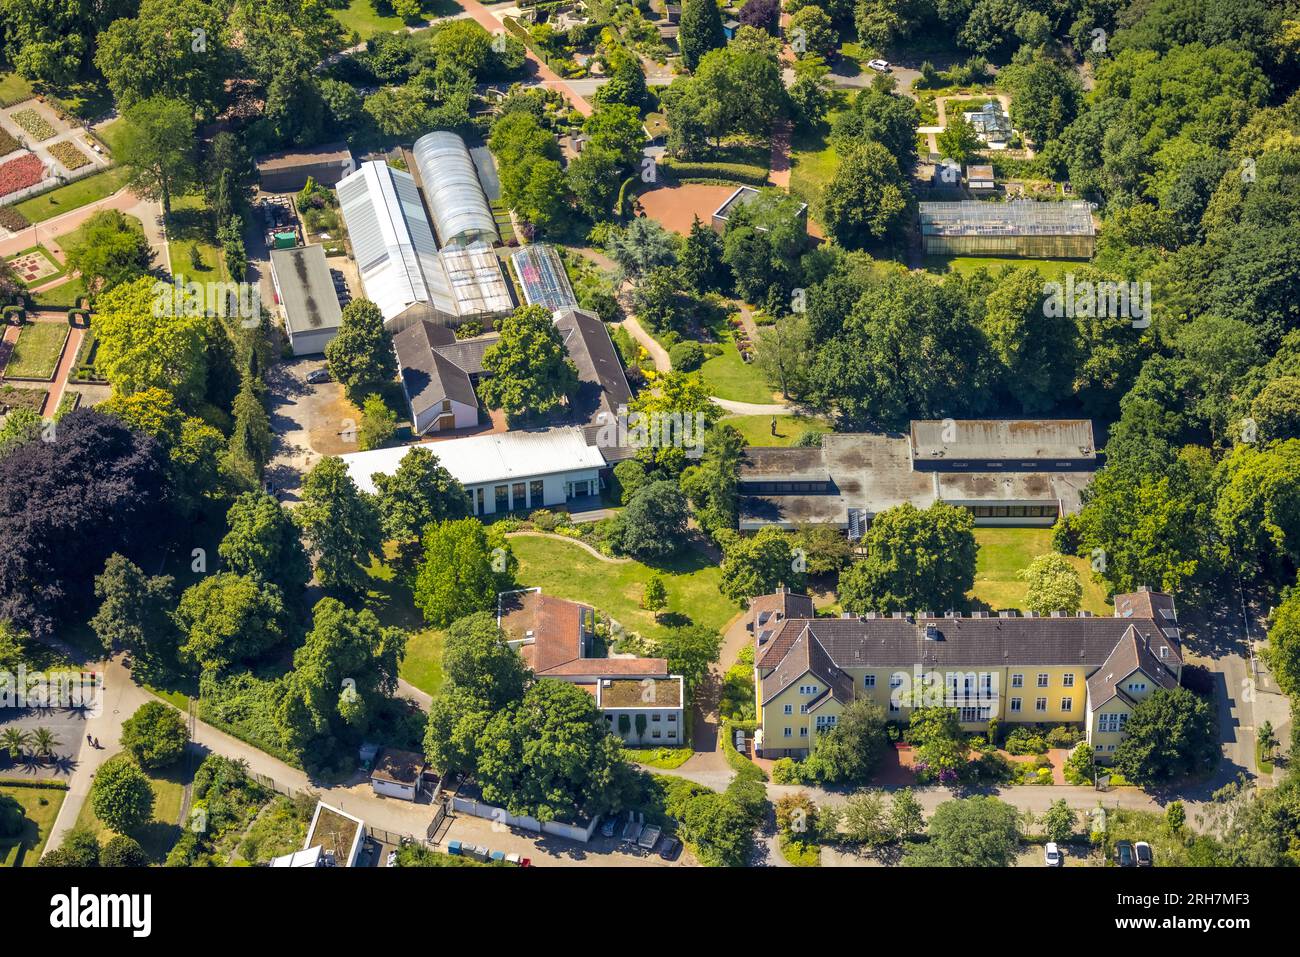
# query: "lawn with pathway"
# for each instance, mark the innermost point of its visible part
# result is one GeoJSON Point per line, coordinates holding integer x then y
{"type": "Point", "coordinates": [36, 353]}
{"type": "Point", "coordinates": [159, 834]}
{"type": "Point", "coordinates": [561, 568]}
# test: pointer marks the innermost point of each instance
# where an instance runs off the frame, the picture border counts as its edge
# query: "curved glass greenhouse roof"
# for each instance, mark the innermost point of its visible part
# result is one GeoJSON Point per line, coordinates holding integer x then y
{"type": "Point", "coordinates": [460, 210]}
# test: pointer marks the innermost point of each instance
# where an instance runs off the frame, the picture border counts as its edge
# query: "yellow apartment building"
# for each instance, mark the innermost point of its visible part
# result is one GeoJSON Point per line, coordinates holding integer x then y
{"type": "Point", "coordinates": [1035, 669]}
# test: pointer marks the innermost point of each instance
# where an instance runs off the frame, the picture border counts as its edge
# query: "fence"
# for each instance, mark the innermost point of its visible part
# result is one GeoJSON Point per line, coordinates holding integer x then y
{"type": "Point", "coordinates": [574, 832]}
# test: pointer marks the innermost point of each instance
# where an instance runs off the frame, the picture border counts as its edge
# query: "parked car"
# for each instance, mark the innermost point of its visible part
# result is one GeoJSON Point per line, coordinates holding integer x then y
{"type": "Point", "coordinates": [631, 831]}
{"type": "Point", "coordinates": [1142, 851]}
{"type": "Point", "coordinates": [392, 859]}
{"type": "Point", "coordinates": [317, 376]}
{"type": "Point", "coordinates": [1124, 854]}
{"type": "Point", "coordinates": [880, 66]}
{"type": "Point", "coordinates": [608, 827]}
{"type": "Point", "coordinates": [670, 848]}
{"type": "Point", "coordinates": [1052, 855]}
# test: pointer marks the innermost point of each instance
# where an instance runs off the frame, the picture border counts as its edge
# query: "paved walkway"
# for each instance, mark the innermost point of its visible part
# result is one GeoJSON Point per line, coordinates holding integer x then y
{"type": "Point", "coordinates": [548, 76]}
{"type": "Point", "coordinates": [657, 352]}
{"type": "Point", "coordinates": [574, 541]}
{"type": "Point", "coordinates": [754, 408]}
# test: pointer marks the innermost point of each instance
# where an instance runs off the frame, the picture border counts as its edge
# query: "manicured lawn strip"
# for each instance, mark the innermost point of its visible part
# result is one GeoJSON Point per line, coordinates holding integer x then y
{"type": "Point", "coordinates": [966, 265]}
{"type": "Point", "coordinates": [1004, 551]}
{"type": "Point", "coordinates": [90, 189]}
{"type": "Point", "coordinates": [757, 429]}
{"type": "Point", "coordinates": [111, 133]}
{"type": "Point", "coordinates": [813, 161]}
{"type": "Point", "coordinates": [26, 850]}
{"type": "Point", "coordinates": [730, 377]}
{"type": "Point", "coordinates": [191, 226]}
{"type": "Point", "coordinates": [36, 353]}
{"type": "Point", "coordinates": [158, 835]}
{"type": "Point", "coordinates": [665, 759]}
{"type": "Point", "coordinates": [362, 16]}
{"type": "Point", "coordinates": [564, 569]}
{"type": "Point", "coordinates": [422, 666]}
{"type": "Point", "coordinates": [65, 294]}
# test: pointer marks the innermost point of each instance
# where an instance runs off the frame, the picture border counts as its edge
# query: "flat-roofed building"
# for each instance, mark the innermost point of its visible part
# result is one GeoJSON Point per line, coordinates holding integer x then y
{"type": "Point", "coordinates": [504, 471]}
{"type": "Point", "coordinates": [768, 202]}
{"type": "Point", "coordinates": [305, 291]}
{"type": "Point", "coordinates": [1012, 472]}
{"type": "Point", "coordinates": [288, 171]}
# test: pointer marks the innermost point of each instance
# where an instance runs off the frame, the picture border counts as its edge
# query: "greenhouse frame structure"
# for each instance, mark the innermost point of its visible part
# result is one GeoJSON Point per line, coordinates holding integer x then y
{"type": "Point", "coordinates": [1040, 230]}
{"type": "Point", "coordinates": [461, 215]}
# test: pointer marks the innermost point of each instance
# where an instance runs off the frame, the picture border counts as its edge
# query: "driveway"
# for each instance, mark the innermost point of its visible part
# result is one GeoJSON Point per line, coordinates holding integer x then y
{"type": "Point", "coordinates": [309, 421]}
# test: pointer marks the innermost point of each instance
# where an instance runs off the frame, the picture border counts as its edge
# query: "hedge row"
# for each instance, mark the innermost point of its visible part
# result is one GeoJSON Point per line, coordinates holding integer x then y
{"type": "Point", "coordinates": [33, 783]}
{"type": "Point", "coordinates": [745, 173]}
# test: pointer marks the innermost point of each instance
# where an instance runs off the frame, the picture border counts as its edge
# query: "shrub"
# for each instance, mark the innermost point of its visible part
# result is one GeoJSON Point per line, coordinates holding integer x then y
{"type": "Point", "coordinates": [122, 851]}
{"type": "Point", "coordinates": [786, 771]}
{"type": "Point", "coordinates": [1026, 741]}
{"type": "Point", "coordinates": [121, 795]}
{"type": "Point", "coordinates": [1063, 736]}
{"type": "Point", "coordinates": [686, 356]}
{"type": "Point", "coordinates": [155, 735]}
{"type": "Point", "coordinates": [12, 816]}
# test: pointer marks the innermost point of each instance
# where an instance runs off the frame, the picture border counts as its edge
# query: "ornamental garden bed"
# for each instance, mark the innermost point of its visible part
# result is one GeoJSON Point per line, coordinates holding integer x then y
{"type": "Point", "coordinates": [20, 173]}
{"type": "Point", "coordinates": [14, 397]}
{"type": "Point", "coordinates": [36, 353]}
{"type": "Point", "coordinates": [7, 143]}
{"type": "Point", "coordinates": [68, 154]}
{"type": "Point", "coordinates": [34, 123]}
{"type": "Point", "coordinates": [12, 220]}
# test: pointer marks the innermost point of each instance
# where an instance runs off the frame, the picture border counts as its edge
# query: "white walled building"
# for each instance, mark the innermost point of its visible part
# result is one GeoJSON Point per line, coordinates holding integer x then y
{"type": "Point", "coordinates": [503, 471]}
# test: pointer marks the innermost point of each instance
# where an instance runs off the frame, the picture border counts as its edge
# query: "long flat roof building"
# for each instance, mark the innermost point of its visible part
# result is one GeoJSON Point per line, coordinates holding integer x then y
{"type": "Point", "coordinates": [502, 471]}
{"type": "Point", "coordinates": [305, 291]}
{"type": "Point", "coordinates": [852, 477]}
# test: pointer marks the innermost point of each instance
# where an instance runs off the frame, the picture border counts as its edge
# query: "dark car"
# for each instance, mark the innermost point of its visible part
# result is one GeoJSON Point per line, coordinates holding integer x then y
{"type": "Point", "coordinates": [1142, 851]}
{"type": "Point", "coordinates": [1124, 856]}
{"type": "Point", "coordinates": [670, 848]}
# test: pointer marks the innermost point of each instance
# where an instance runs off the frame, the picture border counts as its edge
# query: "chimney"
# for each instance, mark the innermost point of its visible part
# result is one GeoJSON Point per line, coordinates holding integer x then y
{"type": "Point", "coordinates": [1006, 614]}
{"type": "Point", "coordinates": [1032, 614]}
{"type": "Point", "coordinates": [1083, 614]}
{"type": "Point", "coordinates": [896, 614]}
{"type": "Point", "coordinates": [1058, 614]}
{"type": "Point", "coordinates": [924, 614]}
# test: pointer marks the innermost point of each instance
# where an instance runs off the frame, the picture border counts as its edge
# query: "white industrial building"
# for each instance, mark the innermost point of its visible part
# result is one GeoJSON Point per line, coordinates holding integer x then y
{"type": "Point", "coordinates": [503, 471]}
{"type": "Point", "coordinates": [392, 242]}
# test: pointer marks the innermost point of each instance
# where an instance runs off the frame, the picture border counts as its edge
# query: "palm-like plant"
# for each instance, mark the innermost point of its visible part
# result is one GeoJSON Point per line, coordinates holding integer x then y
{"type": "Point", "coordinates": [14, 740]}
{"type": "Point", "coordinates": [45, 741]}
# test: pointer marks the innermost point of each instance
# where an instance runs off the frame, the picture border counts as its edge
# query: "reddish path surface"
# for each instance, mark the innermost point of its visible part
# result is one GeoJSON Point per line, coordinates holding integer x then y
{"type": "Point", "coordinates": [64, 370]}
{"type": "Point", "coordinates": [549, 77]}
{"type": "Point", "coordinates": [45, 231]}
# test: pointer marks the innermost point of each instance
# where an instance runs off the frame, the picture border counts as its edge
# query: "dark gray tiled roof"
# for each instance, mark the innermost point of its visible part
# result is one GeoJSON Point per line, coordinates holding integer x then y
{"type": "Point", "coordinates": [468, 353]}
{"type": "Point", "coordinates": [428, 377]}
{"type": "Point", "coordinates": [602, 384]}
{"type": "Point", "coordinates": [807, 655]}
{"type": "Point", "coordinates": [1133, 651]}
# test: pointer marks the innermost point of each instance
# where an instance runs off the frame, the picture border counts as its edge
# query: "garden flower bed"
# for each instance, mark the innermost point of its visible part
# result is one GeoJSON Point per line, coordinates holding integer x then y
{"type": "Point", "coordinates": [21, 173]}
{"type": "Point", "coordinates": [34, 123]}
{"type": "Point", "coordinates": [67, 154]}
{"type": "Point", "coordinates": [12, 220]}
{"type": "Point", "coordinates": [7, 143]}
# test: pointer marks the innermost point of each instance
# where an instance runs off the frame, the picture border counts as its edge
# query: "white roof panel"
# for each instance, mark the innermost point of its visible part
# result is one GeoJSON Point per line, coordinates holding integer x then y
{"type": "Point", "coordinates": [479, 459]}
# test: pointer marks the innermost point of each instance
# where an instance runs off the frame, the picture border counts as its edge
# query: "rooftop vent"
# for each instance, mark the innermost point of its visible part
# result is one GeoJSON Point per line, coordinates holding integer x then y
{"type": "Point", "coordinates": [1006, 614]}
{"type": "Point", "coordinates": [931, 633]}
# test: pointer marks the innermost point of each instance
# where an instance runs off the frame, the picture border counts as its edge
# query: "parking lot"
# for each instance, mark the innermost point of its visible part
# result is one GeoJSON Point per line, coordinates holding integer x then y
{"type": "Point", "coordinates": [68, 725]}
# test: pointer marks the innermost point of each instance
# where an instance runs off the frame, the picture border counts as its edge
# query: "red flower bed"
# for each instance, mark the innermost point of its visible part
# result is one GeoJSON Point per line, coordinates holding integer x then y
{"type": "Point", "coordinates": [20, 173]}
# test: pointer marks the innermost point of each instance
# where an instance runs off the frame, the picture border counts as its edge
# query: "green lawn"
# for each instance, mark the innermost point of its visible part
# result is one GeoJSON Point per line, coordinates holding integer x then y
{"type": "Point", "coordinates": [730, 377]}
{"type": "Point", "coordinates": [92, 188]}
{"type": "Point", "coordinates": [564, 569]}
{"type": "Point", "coordinates": [422, 666]}
{"type": "Point", "coordinates": [965, 265]}
{"type": "Point", "coordinates": [13, 89]}
{"type": "Point", "coordinates": [192, 240]}
{"type": "Point", "coordinates": [813, 161]}
{"type": "Point", "coordinates": [1004, 551]}
{"type": "Point", "coordinates": [41, 807]}
{"type": "Point", "coordinates": [65, 295]}
{"type": "Point", "coordinates": [160, 834]}
{"type": "Point", "coordinates": [392, 603]}
{"type": "Point", "coordinates": [111, 134]}
{"type": "Point", "coordinates": [665, 759]}
{"type": "Point", "coordinates": [757, 429]}
{"type": "Point", "coordinates": [363, 16]}
{"type": "Point", "coordinates": [36, 353]}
